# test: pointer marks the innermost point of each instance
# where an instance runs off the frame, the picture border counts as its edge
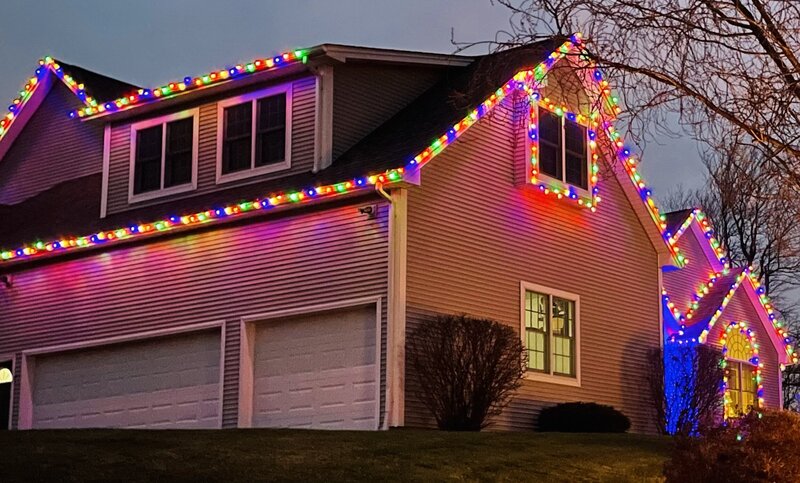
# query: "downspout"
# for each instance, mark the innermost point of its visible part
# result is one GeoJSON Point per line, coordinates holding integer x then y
{"type": "Point", "coordinates": [382, 192]}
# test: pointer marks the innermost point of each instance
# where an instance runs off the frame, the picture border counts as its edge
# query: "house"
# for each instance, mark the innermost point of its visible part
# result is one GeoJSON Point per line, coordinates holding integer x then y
{"type": "Point", "coordinates": [252, 247]}
{"type": "Point", "coordinates": [710, 302]}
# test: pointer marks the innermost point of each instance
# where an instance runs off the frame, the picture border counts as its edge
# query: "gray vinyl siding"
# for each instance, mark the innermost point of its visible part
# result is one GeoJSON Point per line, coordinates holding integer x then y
{"type": "Point", "coordinates": [473, 236]}
{"type": "Point", "coordinates": [365, 96]}
{"type": "Point", "coordinates": [302, 149]}
{"type": "Point", "coordinates": [309, 258]}
{"type": "Point", "coordinates": [51, 149]}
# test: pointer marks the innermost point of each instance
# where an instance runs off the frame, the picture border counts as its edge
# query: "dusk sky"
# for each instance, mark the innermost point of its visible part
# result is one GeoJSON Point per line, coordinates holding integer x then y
{"type": "Point", "coordinates": [151, 42]}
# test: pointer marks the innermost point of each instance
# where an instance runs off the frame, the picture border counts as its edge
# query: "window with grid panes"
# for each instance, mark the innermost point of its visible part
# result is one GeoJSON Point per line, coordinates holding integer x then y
{"type": "Point", "coordinates": [550, 324]}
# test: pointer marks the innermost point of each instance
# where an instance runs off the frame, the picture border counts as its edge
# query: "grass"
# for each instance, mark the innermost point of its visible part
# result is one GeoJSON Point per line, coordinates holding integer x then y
{"type": "Point", "coordinates": [292, 455]}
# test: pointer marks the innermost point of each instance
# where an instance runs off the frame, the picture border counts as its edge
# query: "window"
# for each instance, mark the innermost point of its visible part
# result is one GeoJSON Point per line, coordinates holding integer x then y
{"type": "Point", "coordinates": [254, 132]}
{"type": "Point", "coordinates": [742, 389]}
{"type": "Point", "coordinates": [549, 332]}
{"type": "Point", "coordinates": [563, 149]}
{"type": "Point", "coordinates": [163, 156]}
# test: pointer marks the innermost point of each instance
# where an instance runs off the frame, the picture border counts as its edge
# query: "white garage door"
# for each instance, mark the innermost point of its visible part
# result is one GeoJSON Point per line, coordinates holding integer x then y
{"type": "Point", "coordinates": [168, 382]}
{"type": "Point", "coordinates": [317, 371]}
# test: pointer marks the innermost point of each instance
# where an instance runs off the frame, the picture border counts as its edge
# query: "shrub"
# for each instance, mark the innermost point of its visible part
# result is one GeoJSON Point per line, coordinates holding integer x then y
{"type": "Point", "coordinates": [684, 383]}
{"type": "Point", "coordinates": [467, 369]}
{"type": "Point", "coordinates": [754, 448]}
{"type": "Point", "coordinates": [581, 417]}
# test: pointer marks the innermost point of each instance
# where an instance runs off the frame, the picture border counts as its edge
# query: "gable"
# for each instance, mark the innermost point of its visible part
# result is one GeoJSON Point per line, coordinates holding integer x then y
{"type": "Point", "coordinates": [50, 148]}
{"type": "Point", "coordinates": [681, 284]}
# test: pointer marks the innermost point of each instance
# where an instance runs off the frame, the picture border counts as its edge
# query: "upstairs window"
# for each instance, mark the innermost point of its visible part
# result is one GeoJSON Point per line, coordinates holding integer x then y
{"type": "Point", "coordinates": [563, 149]}
{"type": "Point", "coordinates": [254, 133]}
{"type": "Point", "coordinates": [163, 156]}
{"type": "Point", "coordinates": [549, 332]}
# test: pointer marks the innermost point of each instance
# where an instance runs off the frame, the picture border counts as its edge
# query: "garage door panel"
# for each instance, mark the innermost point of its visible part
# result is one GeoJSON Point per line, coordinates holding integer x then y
{"type": "Point", "coordinates": [164, 382]}
{"type": "Point", "coordinates": [317, 371]}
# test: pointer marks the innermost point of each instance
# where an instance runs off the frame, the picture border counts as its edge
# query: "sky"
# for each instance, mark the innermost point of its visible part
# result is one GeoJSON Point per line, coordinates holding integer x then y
{"type": "Point", "coordinates": [153, 42]}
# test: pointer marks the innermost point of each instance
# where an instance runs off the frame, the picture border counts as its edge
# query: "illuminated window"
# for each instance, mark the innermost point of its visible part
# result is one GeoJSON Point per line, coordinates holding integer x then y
{"type": "Point", "coordinates": [549, 331]}
{"type": "Point", "coordinates": [742, 390]}
{"type": "Point", "coordinates": [254, 132]}
{"type": "Point", "coordinates": [163, 156]}
{"type": "Point", "coordinates": [563, 149]}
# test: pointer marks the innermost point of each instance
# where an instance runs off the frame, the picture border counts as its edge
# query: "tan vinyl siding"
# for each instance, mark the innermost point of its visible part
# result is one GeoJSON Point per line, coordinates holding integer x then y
{"type": "Point", "coordinates": [307, 259]}
{"type": "Point", "coordinates": [473, 236]}
{"type": "Point", "coordinates": [740, 309]}
{"type": "Point", "coordinates": [52, 148]}
{"type": "Point", "coordinates": [302, 149]}
{"type": "Point", "coordinates": [682, 284]}
{"type": "Point", "coordinates": [366, 96]}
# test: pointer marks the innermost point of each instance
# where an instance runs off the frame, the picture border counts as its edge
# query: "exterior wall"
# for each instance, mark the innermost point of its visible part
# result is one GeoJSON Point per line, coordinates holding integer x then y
{"type": "Point", "coordinates": [740, 309]}
{"type": "Point", "coordinates": [365, 96]}
{"type": "Point", "coordinates": [302, 149]}
{"type": "Point", "coordinates": [310, 258]}
{"type": "Point", "coordinates": [681, 284]}
{"type": "Point", "coordinates": [473, 236]}
{"type": "Point", "coordinates": [52, 148]}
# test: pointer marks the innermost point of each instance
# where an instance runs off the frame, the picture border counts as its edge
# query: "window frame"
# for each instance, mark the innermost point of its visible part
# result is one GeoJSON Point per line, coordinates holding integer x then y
{"type": "Point", "coordinates": [541, 177]}
{"type": "Point", "coordinates": [550, 376]}
{"type": "Point", "coordinates": [741, 365]}
{"type": "Point", "coordinates": [254, 97]}
{"type": "Point", "coordinates": [163, 121]}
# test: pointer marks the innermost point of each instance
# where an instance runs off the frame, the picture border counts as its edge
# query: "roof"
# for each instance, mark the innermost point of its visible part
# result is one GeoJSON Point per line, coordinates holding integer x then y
{"type": "Point", "coordinates": [708, 305]}
{"type": "Point", "coordinates": [48, 217]}
{"type": "Point", "coordinates": [413, 129]}
{"type": "Point", "coordinates": [675, 219]}
{"type": "Point", "coordinates": [101, 87]}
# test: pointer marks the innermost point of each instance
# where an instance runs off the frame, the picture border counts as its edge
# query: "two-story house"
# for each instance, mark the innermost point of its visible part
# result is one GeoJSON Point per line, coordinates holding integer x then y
{"type": "Point", "coordinates": [252, 247]}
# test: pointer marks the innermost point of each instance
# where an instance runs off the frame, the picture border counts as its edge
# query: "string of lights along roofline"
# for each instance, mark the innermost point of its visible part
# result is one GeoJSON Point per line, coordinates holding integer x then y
{"type": "Point", "coordinates": [142, 96]}
{"type": "Point", "coordinates": [520, 80]}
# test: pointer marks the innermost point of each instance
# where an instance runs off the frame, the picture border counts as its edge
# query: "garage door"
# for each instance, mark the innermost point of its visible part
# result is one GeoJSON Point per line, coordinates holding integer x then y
{"type": "Point", "coordinates": [317, 371]}
{"type": "Point", "coordinates": [169, 382]}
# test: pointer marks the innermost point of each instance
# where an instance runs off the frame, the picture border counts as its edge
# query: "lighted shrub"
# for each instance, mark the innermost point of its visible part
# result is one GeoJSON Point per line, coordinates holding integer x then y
{"type": "Point", "coordinates": [581, 417]}
{"type": "Point", "coordinates": [753, 449]}
{"type": "Point", "coordinates": [466, 368]}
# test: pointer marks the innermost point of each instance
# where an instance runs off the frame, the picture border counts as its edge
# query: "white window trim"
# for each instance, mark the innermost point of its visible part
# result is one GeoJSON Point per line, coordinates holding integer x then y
{"type": "Point", "coordinates": [254, 97]}
{"type": "Point", "coordinates": [541, 176]}
{"type": "Point", "coordinates": [552, 378]}
{"type": "Point", "coordinates": [163, 120]}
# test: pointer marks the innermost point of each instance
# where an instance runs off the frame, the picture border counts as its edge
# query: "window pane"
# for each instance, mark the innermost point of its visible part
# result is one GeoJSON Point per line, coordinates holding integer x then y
{"type": "Point", "coordinates": [550, 144]}
{"type": "Point", "coordinates": [147, 166]}
{"type": "Point", "coordinates": [563, 323]}
{"type": "Point", "coordinates": [236, 155]}
{"type": "Point", "coordinates": [536, 338]}
{"type": "Point", "coordinates": [271, 140]}
{"type": "Point", "coordinates": [576, 155]}
{"type": "Point", "coordinates": [178, 162]}
{"type": "Point", "coordinates": [737, 345]}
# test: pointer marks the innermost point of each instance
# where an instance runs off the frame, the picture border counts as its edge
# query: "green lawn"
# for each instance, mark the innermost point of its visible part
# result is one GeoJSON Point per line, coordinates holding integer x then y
{"type": "Point", "coordinates": [290, 455]}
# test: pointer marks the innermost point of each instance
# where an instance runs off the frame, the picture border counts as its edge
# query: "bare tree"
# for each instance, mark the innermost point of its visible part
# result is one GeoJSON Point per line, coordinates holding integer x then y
{"type": "Point", "coordinates": [684, 385]}
{"type": "Point", "coordinates": [467, 369]}
{"type": "Point", "coordinates": [729, 69]}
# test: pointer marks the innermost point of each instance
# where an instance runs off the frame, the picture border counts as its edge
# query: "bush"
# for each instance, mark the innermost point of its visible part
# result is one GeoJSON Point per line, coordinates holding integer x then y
{"type": "Point", "coordinates": [683, 381]}
{"type": "Point", "coordinates": [754, 448]}
{"type": "Point", "coordinates": [580, 417]}
{"type": "Point", "coordinates": [467, 369]}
